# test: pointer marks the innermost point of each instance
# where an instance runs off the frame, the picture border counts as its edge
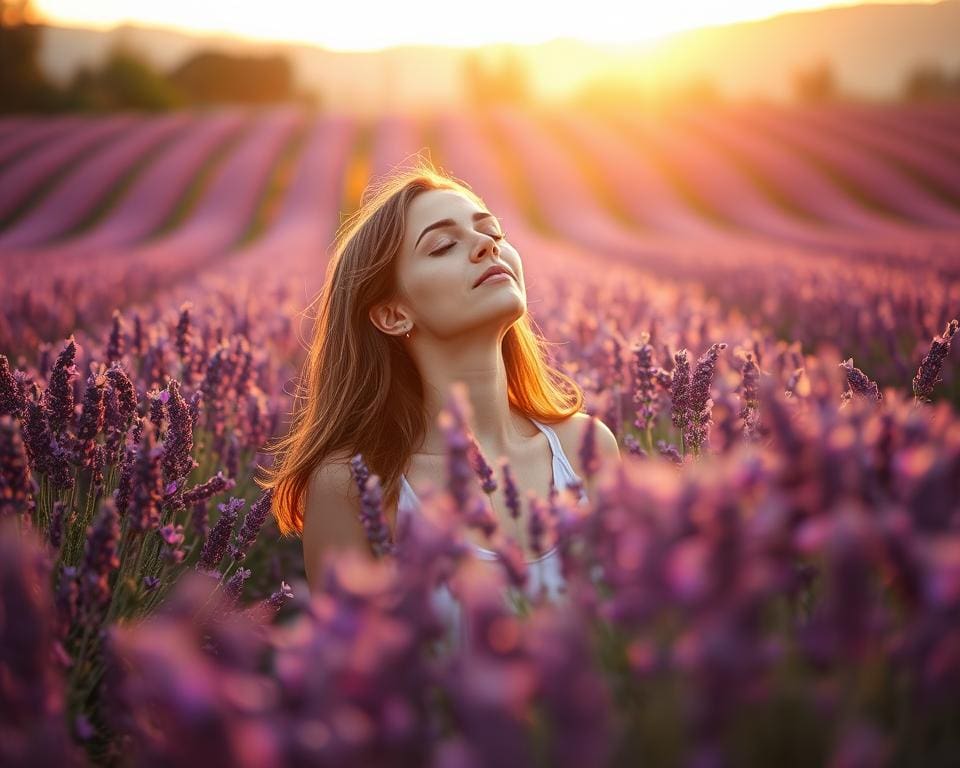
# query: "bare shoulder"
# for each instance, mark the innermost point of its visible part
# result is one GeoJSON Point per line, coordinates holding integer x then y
{"type": "Point", "coordinates": [334, 474]}
{"type": "Point", "coordinates": [570, 432]}
{"type": "Point", "coordinates": [331, 513]}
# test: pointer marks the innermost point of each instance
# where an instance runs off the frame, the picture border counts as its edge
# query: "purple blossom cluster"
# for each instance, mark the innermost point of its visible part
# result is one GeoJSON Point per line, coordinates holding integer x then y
{"type": "Point", "coordinates": [753, 585]}
{"type": "Point", "coordinates": [115, 484]}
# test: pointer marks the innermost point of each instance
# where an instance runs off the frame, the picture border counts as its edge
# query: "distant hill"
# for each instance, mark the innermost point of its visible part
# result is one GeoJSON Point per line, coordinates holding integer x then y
{"type": "Point", "coordinates": [871, 48]}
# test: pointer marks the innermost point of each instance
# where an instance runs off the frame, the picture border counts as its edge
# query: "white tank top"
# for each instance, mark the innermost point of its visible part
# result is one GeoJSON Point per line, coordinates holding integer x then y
{"type": "Point", "coordinates": [543, 572]}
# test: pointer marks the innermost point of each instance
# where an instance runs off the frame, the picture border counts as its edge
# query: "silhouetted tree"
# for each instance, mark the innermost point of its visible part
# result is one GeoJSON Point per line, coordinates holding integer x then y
{"type": "Point", "coordinates": [815, 83]}
{"type": "Point", "coordinates": [23, 86]}
{"type": "Point", "coordinates": [929, 81]}
{"type": "Point", "coordinates": [124, 81]}
{"type": "Point", "coordinates": [212, 77]}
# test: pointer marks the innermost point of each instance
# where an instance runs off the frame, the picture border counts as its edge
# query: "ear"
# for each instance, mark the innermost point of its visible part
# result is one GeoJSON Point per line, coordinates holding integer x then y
{"type": "Point", "coordinates": [390, 319]}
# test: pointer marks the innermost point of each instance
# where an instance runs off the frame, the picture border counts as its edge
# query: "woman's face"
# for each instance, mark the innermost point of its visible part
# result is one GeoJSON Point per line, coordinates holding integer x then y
{"type": "Point", "coordinates": [440, 262]}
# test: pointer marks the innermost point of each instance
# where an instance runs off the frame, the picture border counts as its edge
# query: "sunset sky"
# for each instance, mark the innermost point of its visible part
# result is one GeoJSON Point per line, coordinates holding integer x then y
{"type": "Point", "coordinates": [364, 25]}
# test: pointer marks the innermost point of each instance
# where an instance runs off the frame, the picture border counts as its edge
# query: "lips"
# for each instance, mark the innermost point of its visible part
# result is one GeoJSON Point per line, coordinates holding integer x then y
{"type": "Point", "coordinates": [494, 270]}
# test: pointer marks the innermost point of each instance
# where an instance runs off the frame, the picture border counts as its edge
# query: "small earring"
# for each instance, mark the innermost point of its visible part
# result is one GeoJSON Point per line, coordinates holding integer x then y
{"type": "Point", "coordinates": [407, 334]}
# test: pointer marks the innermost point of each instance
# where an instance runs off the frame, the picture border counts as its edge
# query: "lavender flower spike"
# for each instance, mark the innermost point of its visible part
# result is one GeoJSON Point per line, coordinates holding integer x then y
{"type": "Point", "coordinates": [859, 384]}
{"type": "Point", "coordinates": [749, 396]}
{"type": "Point", "coordinates": [178, 442]}
{"type": "Point", "coordinates": [99, 561]}
{"type": "Point", "coordinates": [281, 596]}
{"type": "Point", "coordinates": [16, 482]}
{"type": "Point", "coordinates": [482, 468]}
{"type": "Point", "coordinates": [928, 375]}
{"type": "Point", "coordinates": [645, 373]}
{"type": "Point", "coordinates": [372, 517]}
{"type": "Point", "coordinates": [510, 489]}
{"type": "Point", "coordinates": [13, 397]}
{"type": "Point", "coordinates": [215, 546]}
{"type": "Point", "coordinates": [252, 523]}
{"type": "Point", "coordinates": [700, 404]}
{"type": "Point", "coordinates": [234, 586]}
{"type": "Point", "coordinates": [680, 391]}
{"type": "Point", "coordinates": [58, 397]}
{"type": "Point", "coordinates": [454, 420]}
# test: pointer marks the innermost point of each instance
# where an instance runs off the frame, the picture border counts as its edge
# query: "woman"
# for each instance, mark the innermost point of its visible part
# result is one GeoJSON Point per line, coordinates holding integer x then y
{"type": "Point", "coordinates": [405, 313]}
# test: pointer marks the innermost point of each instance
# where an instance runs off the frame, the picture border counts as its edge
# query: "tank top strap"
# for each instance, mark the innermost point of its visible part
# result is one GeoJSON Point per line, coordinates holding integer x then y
{"type": "Point", "coordinates": [559, 457]}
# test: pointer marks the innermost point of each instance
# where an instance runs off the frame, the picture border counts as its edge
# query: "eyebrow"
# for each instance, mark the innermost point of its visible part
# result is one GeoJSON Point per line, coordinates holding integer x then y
{"type": "Point", "coordinates": [450, 222]}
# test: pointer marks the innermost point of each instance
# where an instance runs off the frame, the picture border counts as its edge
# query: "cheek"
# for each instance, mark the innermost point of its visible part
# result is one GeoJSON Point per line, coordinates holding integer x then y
{"type": "Point", "coordinates": [437, 286]}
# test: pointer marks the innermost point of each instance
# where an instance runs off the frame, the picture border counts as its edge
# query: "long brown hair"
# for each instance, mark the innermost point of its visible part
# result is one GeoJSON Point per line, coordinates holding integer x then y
{"type": "Point", "coordinates": [361, 391]}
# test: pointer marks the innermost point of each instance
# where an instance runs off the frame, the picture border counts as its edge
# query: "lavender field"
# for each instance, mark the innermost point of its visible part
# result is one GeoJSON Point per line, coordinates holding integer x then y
{"type": "Point", "coordinates": [760, 303]}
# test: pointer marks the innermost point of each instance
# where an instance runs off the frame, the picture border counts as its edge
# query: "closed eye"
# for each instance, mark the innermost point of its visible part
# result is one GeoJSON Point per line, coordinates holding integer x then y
{"type": "Point", "coordinates": [497, 236]}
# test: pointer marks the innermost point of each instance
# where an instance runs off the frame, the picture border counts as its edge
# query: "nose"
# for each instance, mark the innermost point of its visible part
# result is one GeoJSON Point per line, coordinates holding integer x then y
{"type": "Point", "coordinates": [481, 251]}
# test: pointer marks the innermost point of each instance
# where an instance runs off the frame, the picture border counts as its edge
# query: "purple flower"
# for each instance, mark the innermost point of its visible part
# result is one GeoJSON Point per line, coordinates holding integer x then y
{"type": "Point", "coordinates": [252, 523]}
{"type": "Point", "coordinates": [234, 586]}
{"type": "Point", "coordinates": [121, 495]}
{"type": "Point", "coordinates": [13, 397]}
{"type": "Point", "coordinates": [156, 410]}
{"type": "Point", "coordinates": [479, 515]}
{"type": "Point", "coordinates": [928, 374]}
{"type": "Point", "coordinates": [16, 482]}
{"type": "Point", "coordinates": [645, 374]}
{"type": "Point", "coordinates": [116, 342]}
{"type": "Point", "coordinates": [749, 396]}
{"type": "Point", "coordinates": [137, 343]}
{"type": "Point", "coordinates": [93, 411]}
{"type": "Point", "coordinates": [178, 441]}
{"type": "Point", "coordinates": [858, 384]}
{"type": "Point", "coordinates": [183, 333]}
{"type": "Point", "coordinates": [214, 382]}
{"type": "Point", "coordinates": [243, 381]}
{"type": "Point", "coordinates": [680, 391]}
{"type": "Point", "coordinates": [510, 556]}
{"type": "Point", "coordinates": [670, 451]}
{"type": "Point", "coordinates": [454, 420]}
{"type": "Point", "coordinates": [360, 472]}
{"type": "Point", "coordinates": [633, 446]}
{"type": "Point", "coordinates": [66, 598]}
{"type": "Point", "coordinates": [58, 396]}
{"type": "Point", "coordinates": [208, 489]}
{"type": "Point", "coordinates": [198, 518]}
{"type": "Point", "coordinates": [699, 403]}
{"type": "Point", "coordinates": [146, 484]}
{"type": "Point", "coordinates": [57, 524]}
{"type": "Point", "coordinates": [536, 524]}
{"type": "Point", "coordinates": [510, 489]}
{"type": "Point", "coordinates": [279, 598]}
{"type": "Point", "coordinates": [100, 560]}
{"type": "Point", "coordinates": [120, 409]}
{"type": "Point", "coordinates": [196, 399]}
{"type": "Point", "coordinates": [172, 536]}
{"type": "Point", "coordinates": [215, 547]}
{"type": "Point", "coordinates": [37, 438]}
{"type": "Point", "coordinates": [482, 468]}
{"type": "Point", "coordinates": [372, 517]}
{"type": "Point", "coordinates": [33, 700]}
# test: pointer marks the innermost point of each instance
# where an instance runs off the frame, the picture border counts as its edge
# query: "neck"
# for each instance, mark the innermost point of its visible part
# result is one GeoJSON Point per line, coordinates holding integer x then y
{"type": "Point", "coordinates": [479, 365]}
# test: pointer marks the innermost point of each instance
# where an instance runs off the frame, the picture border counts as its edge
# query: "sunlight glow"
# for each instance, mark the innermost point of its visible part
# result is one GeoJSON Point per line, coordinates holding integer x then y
{"type": "Point", "coordinates": [370, 26]}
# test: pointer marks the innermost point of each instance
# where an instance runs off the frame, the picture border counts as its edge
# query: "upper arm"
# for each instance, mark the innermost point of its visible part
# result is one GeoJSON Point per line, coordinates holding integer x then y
{"type": "Point", "coordinates": [331, 517]}
{"type": "Point", "coordinates": [608, 449]}
{"type": "Point", "coordinates": [607, 442]}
